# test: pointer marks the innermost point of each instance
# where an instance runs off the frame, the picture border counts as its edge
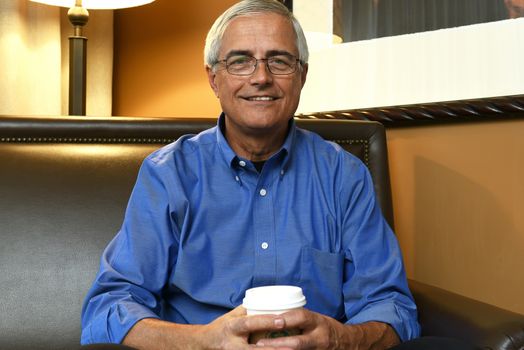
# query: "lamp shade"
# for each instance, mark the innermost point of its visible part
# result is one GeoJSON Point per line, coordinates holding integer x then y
{"type": "Point", "coordinates": [97, 4]}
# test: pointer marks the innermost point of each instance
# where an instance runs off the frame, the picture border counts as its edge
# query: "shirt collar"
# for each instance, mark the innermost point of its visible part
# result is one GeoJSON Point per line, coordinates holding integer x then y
{"type": "Point", "coordinates": [230, 156]}
{"type": "Point", "coordinates": [228, 153]}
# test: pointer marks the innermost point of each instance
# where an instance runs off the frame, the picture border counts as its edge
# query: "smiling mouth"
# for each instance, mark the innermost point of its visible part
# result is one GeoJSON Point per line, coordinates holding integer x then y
{"type": "Point", "coordinates": [260, 98]}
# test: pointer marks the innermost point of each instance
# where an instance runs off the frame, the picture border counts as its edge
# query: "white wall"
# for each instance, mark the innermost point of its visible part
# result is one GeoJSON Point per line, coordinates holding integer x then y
{"type": "Point", "coordinates": [482, 60]}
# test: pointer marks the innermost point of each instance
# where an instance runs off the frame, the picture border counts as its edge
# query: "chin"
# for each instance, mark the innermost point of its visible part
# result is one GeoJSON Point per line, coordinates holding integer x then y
{"type": "Point", "coordinates": [261, 122]}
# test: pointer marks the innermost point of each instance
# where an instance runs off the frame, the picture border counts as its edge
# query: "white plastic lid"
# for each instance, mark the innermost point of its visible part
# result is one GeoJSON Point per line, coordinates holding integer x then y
{"type": "Point", "coordinates": [274, 298]}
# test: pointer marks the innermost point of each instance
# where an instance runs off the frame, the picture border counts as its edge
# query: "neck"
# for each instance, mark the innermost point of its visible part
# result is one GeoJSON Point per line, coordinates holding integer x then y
{"type": "Point", "coordinates": [256, 146]}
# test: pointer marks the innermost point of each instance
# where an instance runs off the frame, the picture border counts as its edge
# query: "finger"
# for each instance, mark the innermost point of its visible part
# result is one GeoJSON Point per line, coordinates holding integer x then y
{"type": "Point", "coordinates": [301, 318]}
{"type": "Point", "coordinates": [251, 324]}
{"type": "Point", "coordinates": [292, 342]}
{"type": "Point", "coordinates": [296, 342]}
{"type": "Point", "coordinates": [261, 347]}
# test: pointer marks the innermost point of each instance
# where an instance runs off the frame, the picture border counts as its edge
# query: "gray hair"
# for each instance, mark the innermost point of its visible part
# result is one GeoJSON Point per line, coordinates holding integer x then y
{"type": "Point", "coordinates": [246, 8]}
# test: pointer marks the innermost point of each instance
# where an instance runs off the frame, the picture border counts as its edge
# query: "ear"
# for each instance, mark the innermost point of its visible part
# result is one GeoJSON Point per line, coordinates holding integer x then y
{"type": "Point", "coordinates": [211, 76]}
{"type": "Point", "coordinates": [303, 74]}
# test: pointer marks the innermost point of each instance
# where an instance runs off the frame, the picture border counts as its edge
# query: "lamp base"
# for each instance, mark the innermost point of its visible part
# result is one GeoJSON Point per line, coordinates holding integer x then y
{"type": "Point", "coordinates": [78, 16]}
{"type": "Point", "coordinates": [77, 75]}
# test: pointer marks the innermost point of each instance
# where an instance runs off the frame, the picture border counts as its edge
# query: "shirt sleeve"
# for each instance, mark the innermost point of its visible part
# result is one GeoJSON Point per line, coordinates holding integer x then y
{"type": "Point", "coordinates": [135, 265]}
{"type": "Point", "coordinates": [375, 285]}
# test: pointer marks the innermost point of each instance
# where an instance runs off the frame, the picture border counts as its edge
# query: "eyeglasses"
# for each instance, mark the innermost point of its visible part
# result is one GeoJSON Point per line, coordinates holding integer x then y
{"type": "Point", "coordinates": [246, 65]}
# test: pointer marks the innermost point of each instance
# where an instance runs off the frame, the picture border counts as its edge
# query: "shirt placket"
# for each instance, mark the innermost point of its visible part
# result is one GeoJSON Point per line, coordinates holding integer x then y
{"type": "Point", "coordinates": [265, 236]}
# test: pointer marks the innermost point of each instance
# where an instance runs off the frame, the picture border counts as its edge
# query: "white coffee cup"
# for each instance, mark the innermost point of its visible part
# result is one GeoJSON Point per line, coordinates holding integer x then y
{"type": "Point", "coordinates": [273, 300]}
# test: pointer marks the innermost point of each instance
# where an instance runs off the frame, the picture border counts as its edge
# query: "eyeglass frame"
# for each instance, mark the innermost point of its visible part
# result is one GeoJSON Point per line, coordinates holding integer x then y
{"type": "Point", "coordinates": [296, 60]}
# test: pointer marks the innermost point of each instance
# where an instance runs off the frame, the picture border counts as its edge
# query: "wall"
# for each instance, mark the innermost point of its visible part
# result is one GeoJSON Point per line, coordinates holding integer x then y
{"type": "Point", "coordinates": [459, 63]}
{"type": "Point", "coordinates": [29, 58]}
{"type": "Point", "coordinates": [159, 69]}
{"type": "Point", "coordinates": [458, 198]}
{"type": "Point", "coordinates": [34, 56]}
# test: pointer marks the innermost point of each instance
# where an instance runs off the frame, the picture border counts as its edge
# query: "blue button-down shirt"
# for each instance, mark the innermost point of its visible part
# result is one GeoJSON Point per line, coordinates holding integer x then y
{"type": "Point", "coordinates": [202, 226]}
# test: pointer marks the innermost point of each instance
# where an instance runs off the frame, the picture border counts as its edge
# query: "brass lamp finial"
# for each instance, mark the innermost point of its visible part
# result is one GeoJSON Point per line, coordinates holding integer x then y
{"type": "Point", "coordinates": [78, 16]}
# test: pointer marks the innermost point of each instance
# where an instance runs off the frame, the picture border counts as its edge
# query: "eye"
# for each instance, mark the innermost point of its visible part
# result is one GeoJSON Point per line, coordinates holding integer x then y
{"type": "Point", "coordinates": [281, 61]}
{"type": "Point", "coordinates": [239, 60]}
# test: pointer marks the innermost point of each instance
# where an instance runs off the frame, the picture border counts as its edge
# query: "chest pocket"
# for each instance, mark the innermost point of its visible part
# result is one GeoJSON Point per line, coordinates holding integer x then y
{"type": "Point", "coordinates": [321, 279]}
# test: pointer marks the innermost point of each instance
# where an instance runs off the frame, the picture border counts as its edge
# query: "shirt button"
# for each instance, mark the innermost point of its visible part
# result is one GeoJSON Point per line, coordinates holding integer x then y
{"type": "Point", "coordinates": [242, 163]}
{"type": "Point", "coordinates": [237, 178]}
{"type": "Point", "coordinates": [264, 245]}
{"type": "Point", "coordinates": [263, 192]}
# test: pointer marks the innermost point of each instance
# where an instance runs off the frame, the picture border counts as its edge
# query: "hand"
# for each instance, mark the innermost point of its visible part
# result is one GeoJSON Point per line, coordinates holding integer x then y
{"type": "Point", "coordinates": [322, 332]}
{"type": "Point", "coordinates": [228, 332]}
{"type": "Point", "coordinates": [232, 330]}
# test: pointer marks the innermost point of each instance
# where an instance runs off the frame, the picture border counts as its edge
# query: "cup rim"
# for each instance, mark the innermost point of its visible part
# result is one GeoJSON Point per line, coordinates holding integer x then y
{"type": "Point", "coordinates": [277, 298]}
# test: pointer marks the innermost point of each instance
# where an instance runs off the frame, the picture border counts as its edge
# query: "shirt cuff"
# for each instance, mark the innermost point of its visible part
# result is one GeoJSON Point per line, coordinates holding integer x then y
{"type": "Point", "coordinates": [113, 325]}
{"type": "Point", "coordinates": [402, 321]}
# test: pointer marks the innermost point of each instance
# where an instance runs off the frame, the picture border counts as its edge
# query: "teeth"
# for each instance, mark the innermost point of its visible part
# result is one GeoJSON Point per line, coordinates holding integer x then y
{"type": "Point", "coordinates": [261, 98]}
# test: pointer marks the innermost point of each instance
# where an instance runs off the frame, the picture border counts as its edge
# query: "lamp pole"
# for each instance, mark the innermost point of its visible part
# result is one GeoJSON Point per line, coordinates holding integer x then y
{"type": "Point", "coordinates": [78, 16]}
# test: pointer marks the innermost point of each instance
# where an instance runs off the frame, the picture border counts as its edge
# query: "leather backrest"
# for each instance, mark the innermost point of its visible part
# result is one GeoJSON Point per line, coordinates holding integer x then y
{"type": "Point", "coordinates": [64, 185]}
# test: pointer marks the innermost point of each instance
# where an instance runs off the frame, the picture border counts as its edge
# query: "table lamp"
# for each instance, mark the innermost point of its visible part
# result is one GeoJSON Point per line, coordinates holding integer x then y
{"type": "Point", "coordinates": [78, 16]}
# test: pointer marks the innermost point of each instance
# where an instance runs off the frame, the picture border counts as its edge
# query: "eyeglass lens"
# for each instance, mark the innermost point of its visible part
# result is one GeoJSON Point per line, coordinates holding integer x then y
{"type": "Point", "coordinates": [246, 65]}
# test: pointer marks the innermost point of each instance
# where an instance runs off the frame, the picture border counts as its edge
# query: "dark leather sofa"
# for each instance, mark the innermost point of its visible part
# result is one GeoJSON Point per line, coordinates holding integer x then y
{"type": "Point", "coordinates": [64, 184]}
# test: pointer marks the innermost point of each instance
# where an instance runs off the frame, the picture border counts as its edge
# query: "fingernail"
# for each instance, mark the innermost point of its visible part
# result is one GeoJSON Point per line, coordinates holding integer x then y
{"type": "Point", "coordinates": [279, 323]}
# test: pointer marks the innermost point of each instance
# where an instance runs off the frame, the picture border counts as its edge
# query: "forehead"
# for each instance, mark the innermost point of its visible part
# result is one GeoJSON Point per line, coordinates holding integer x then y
{"type": "Point", "coordinates": [259, 32]}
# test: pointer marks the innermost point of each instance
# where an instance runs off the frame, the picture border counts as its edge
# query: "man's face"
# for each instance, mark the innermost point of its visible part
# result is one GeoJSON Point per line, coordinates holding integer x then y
{"type": "Point", "coordinates": [261, 102]}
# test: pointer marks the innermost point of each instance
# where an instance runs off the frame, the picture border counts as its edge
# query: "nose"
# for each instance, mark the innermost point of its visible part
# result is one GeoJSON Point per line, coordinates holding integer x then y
{"type": "Point", "coordinates": [261, 75]}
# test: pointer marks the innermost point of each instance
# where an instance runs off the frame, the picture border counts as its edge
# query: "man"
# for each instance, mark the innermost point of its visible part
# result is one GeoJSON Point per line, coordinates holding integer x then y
{"type": "Point", "coordinates": [254, 201]}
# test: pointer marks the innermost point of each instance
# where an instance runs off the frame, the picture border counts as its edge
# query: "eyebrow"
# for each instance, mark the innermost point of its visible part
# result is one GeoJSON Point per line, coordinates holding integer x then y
{"type": "Point", "coordinates": [269, 53]}
{"type": "Point", "coordinates": [278, 53]}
